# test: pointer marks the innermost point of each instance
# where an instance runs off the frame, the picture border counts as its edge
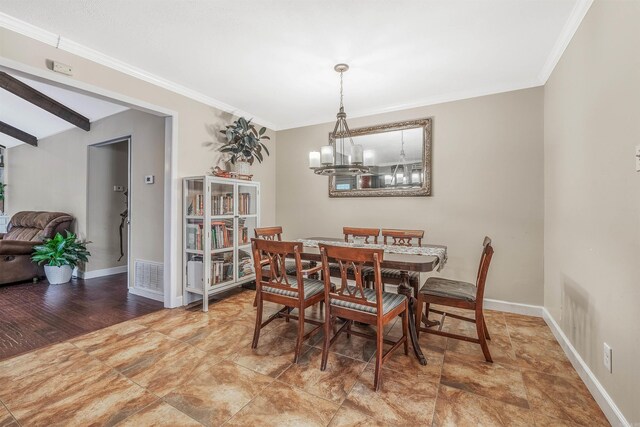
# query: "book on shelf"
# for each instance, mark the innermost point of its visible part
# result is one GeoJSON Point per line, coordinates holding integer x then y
{"type": "Point", "coordinates": [194, 236]}
{"type": "Point", "coordinates": [243, 232]}
{"type": "Point", "coordinates": [222, 234]}
{"type": "Point", "coordinates": [221, 271]}
{"type": "Point", "coordinates": [245, 266]}
{"type": "Point", "coordinates": [222, 204]}
{"type": "Point", "coordinates": [196, 205]}
{"type": "Point", "coordinates": [244, 204]}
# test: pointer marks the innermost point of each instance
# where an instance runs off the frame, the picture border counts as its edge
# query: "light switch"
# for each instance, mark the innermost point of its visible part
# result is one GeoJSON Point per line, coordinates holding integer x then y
{"type": "Point", "coordinates": [637, 158]}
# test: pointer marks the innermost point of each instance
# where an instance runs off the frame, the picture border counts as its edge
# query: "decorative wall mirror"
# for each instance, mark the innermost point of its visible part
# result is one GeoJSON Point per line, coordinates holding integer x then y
{"type": "Point", "coordinates": [399, 159]}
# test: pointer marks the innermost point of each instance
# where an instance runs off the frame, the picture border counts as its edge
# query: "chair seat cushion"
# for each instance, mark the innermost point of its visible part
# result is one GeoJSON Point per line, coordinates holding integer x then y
{"type": "Point", "coordinates": [311, 287]}
{"type": "Point", "coordinates": [447, 288]}
{"type": "Point", "coordinates": [389, 301]}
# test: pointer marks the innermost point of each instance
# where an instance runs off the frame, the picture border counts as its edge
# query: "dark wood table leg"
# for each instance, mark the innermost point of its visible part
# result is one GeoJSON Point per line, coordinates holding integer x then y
{"type": "Point", "coordinates": [405, 289]}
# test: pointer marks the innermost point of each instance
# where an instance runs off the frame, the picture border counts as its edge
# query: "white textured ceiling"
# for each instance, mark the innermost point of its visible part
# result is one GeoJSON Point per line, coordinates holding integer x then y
{"type": "Point", "coordinates": [31, 119]}
{"type": "Point", "coordinates": [274, 58]}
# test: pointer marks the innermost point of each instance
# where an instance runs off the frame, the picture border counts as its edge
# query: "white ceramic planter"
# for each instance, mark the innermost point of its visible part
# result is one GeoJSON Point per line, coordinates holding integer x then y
{"type": "Point", "coordinates": [242, 167]}
{"type": "Point", "coordinates": [58, 275]}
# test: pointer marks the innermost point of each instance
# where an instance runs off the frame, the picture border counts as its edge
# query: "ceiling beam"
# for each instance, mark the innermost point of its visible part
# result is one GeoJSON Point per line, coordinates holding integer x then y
{"type": "Point", "coordinates": [41, 100]}
{"type": "Point", "coordinates": [18, 134]}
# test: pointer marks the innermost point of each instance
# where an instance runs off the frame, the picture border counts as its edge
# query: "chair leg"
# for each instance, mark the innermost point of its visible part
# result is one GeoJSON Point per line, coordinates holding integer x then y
{"type": "Point", "coordinates": [378, 372]}
{"type": "Point", "coordinates": [328, 326]}
{"type": "Point", "coordinates": [349, 328]}
{"type": "Point", "coordinates": [486, 331]}
{"type": "Point", "coordinates": [405, 329]}
{"type": "Point", "coordinates": [256, 331]}
{"type": "Point", "coordinates": [300, 334]}
{"type": "Point", "coordinates": [483, 341]}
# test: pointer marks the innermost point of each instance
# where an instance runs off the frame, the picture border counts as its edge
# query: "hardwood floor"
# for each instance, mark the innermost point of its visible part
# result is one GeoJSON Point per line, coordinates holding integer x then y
{"type": "Point", "coordinates": [34, 315]}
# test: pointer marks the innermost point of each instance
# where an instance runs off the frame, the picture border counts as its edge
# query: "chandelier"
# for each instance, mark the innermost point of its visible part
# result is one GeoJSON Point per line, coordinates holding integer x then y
{"type": "Point", "coordinates": [339, 159]}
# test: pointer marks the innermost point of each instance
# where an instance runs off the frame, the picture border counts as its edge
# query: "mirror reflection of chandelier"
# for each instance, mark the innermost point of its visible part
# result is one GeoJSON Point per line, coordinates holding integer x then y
{"type": "Point", "coordinates": [336, 159]}
{"type": "Point", "coordinates": [400, 175]}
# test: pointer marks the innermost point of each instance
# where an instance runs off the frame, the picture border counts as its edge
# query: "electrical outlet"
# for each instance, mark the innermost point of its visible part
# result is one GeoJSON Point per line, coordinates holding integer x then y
{"type": "Point", "coordinates": [149, 179]}
{"type": "Point", "coordinates": [637, 158]}
{"type": "Point", "coordinates": [608, 355]}
{"type": "Point", "coordinates": [118, 188]}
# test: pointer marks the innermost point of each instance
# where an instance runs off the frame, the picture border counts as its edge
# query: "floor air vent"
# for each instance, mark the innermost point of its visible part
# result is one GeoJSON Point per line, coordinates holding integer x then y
{"type": "Point", "coordinates": [149, 276]}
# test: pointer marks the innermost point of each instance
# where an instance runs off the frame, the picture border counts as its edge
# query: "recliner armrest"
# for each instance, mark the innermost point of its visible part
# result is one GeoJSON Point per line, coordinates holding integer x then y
{"type": "Point", "coordinates": [17, 247]}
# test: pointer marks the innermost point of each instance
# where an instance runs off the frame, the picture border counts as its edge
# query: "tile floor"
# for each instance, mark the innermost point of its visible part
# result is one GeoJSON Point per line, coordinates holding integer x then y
{"type": "Point", "coordinates": [181, 367]}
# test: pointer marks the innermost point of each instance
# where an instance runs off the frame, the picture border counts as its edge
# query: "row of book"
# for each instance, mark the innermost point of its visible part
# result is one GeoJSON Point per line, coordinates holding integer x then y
{"type": "Point", "coordinates": [221, 271]}
{"type": "Point", "coordinates": [220, 204]}
{"type": "Point", "coordinates": [245, 266]}
{"type": "Point", "coordinates": [196, 205]}
{"type": "Point", "coordinates": [244, 204]}
{"type": "Point", "coordinates": [222, 234]}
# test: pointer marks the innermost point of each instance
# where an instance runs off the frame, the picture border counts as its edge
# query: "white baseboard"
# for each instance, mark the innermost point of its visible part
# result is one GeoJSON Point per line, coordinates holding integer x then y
{"type": "Point", "coordinates": [99, 273]}
{"type": "Point", "coordinates": [606, 403]}
{"type": "Point", "coordinates": [514, 307]}
{"type": "Point", "coordinates": [147, 294]}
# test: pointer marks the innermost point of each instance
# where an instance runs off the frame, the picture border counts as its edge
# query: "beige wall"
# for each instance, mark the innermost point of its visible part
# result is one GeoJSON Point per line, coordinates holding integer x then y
{"type": "Point", "coordinates": [487, 179]}
{"type": "Point", "coordinates": [108, 166]}
{"type": "Point", "coordinates": [592, 196]}
{"type": "Point", "coordinates": [54, 177]}
{"type": "Point", "coordinates": [194, 125]}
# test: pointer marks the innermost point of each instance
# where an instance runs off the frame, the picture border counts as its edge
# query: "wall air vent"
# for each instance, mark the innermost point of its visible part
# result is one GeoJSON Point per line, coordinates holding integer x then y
{"type": "Point", "coordinates": [149, 276]}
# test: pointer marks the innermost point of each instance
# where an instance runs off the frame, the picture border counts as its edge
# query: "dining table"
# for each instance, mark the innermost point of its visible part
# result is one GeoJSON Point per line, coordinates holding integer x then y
{"type": "Point", "coordinates": [422, 259]}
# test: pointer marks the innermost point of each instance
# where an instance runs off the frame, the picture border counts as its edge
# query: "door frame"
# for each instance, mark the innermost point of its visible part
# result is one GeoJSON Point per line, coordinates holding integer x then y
{"type": "Point", "coordinates": [127, 140]}
{"type": "Point", "coordinates": [172, 285]}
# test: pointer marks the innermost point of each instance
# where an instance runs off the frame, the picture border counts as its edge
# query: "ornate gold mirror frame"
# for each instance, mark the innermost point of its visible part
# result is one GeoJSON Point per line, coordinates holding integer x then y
{"type": "Point", "coordinates": [423, 190]}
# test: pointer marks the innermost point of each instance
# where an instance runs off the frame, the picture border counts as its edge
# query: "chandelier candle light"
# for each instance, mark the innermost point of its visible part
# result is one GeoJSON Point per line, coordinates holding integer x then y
{"type": "Point", "coordinates": [330, 161]}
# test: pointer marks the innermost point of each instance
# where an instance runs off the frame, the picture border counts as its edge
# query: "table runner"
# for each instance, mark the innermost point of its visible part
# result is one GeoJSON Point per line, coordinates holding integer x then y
{"type": "Point", "coordinates": [436, 251]}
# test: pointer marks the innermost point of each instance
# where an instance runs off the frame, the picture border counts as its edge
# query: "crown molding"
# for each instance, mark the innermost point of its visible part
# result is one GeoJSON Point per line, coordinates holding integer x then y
{"type": "Point", "coordinates": [59, 42]}
{"type": "Point", "coordinates": [434, 100]}
{"type": "Point", "coordinates": [578, 13]}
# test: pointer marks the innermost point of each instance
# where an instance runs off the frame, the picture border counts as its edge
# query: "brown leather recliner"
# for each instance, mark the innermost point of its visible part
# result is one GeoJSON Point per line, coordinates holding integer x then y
{"type": "Point", "coordinates": [26, 230]}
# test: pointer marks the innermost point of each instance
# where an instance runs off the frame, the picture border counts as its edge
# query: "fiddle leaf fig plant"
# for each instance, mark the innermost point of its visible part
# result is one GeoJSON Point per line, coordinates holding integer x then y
{"type": "Point", "coordinates": [61, 251]}
{"type": "Point", "coordinates": [244, 141]}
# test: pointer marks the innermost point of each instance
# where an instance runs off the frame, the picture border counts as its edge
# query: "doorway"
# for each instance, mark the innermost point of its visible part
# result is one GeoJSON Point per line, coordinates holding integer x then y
{"type": "Point", "coordinates": [108, 207]}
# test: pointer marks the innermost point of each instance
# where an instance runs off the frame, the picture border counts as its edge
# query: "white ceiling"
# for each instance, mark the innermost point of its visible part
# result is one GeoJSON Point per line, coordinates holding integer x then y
{"type": "Point", "coordinates": [31, 119]}
{"type": "Point", "coordinates": [273, 59]}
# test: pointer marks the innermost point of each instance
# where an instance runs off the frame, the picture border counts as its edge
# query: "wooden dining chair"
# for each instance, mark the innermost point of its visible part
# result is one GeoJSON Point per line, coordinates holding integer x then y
{"type": "Point", "coordinates": [454, 293]}
{"type": "Point", "coordinates": [370, 234]}
{"type": "Point", "coordinates": [397, 237]}
{"type": "Point", "coordinates": [354, 302]}
{"type": "Point", "coordinates": [292, 291]}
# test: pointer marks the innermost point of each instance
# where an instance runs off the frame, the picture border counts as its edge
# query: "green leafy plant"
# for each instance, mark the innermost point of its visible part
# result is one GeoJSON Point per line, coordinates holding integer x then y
{"type": "Point", "coordinates": [61, 251]}
{"type": "Point", "coordinates": [2, 191]}
{"type": "Point", "coordinates": [244, 142]}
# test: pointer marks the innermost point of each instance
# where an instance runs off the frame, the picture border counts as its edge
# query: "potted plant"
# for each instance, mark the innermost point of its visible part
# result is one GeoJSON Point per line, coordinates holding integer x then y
{"type": "Point", "coordinates": [61, 255]}
{"type": "Point", "coordinates": [244, 144]}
